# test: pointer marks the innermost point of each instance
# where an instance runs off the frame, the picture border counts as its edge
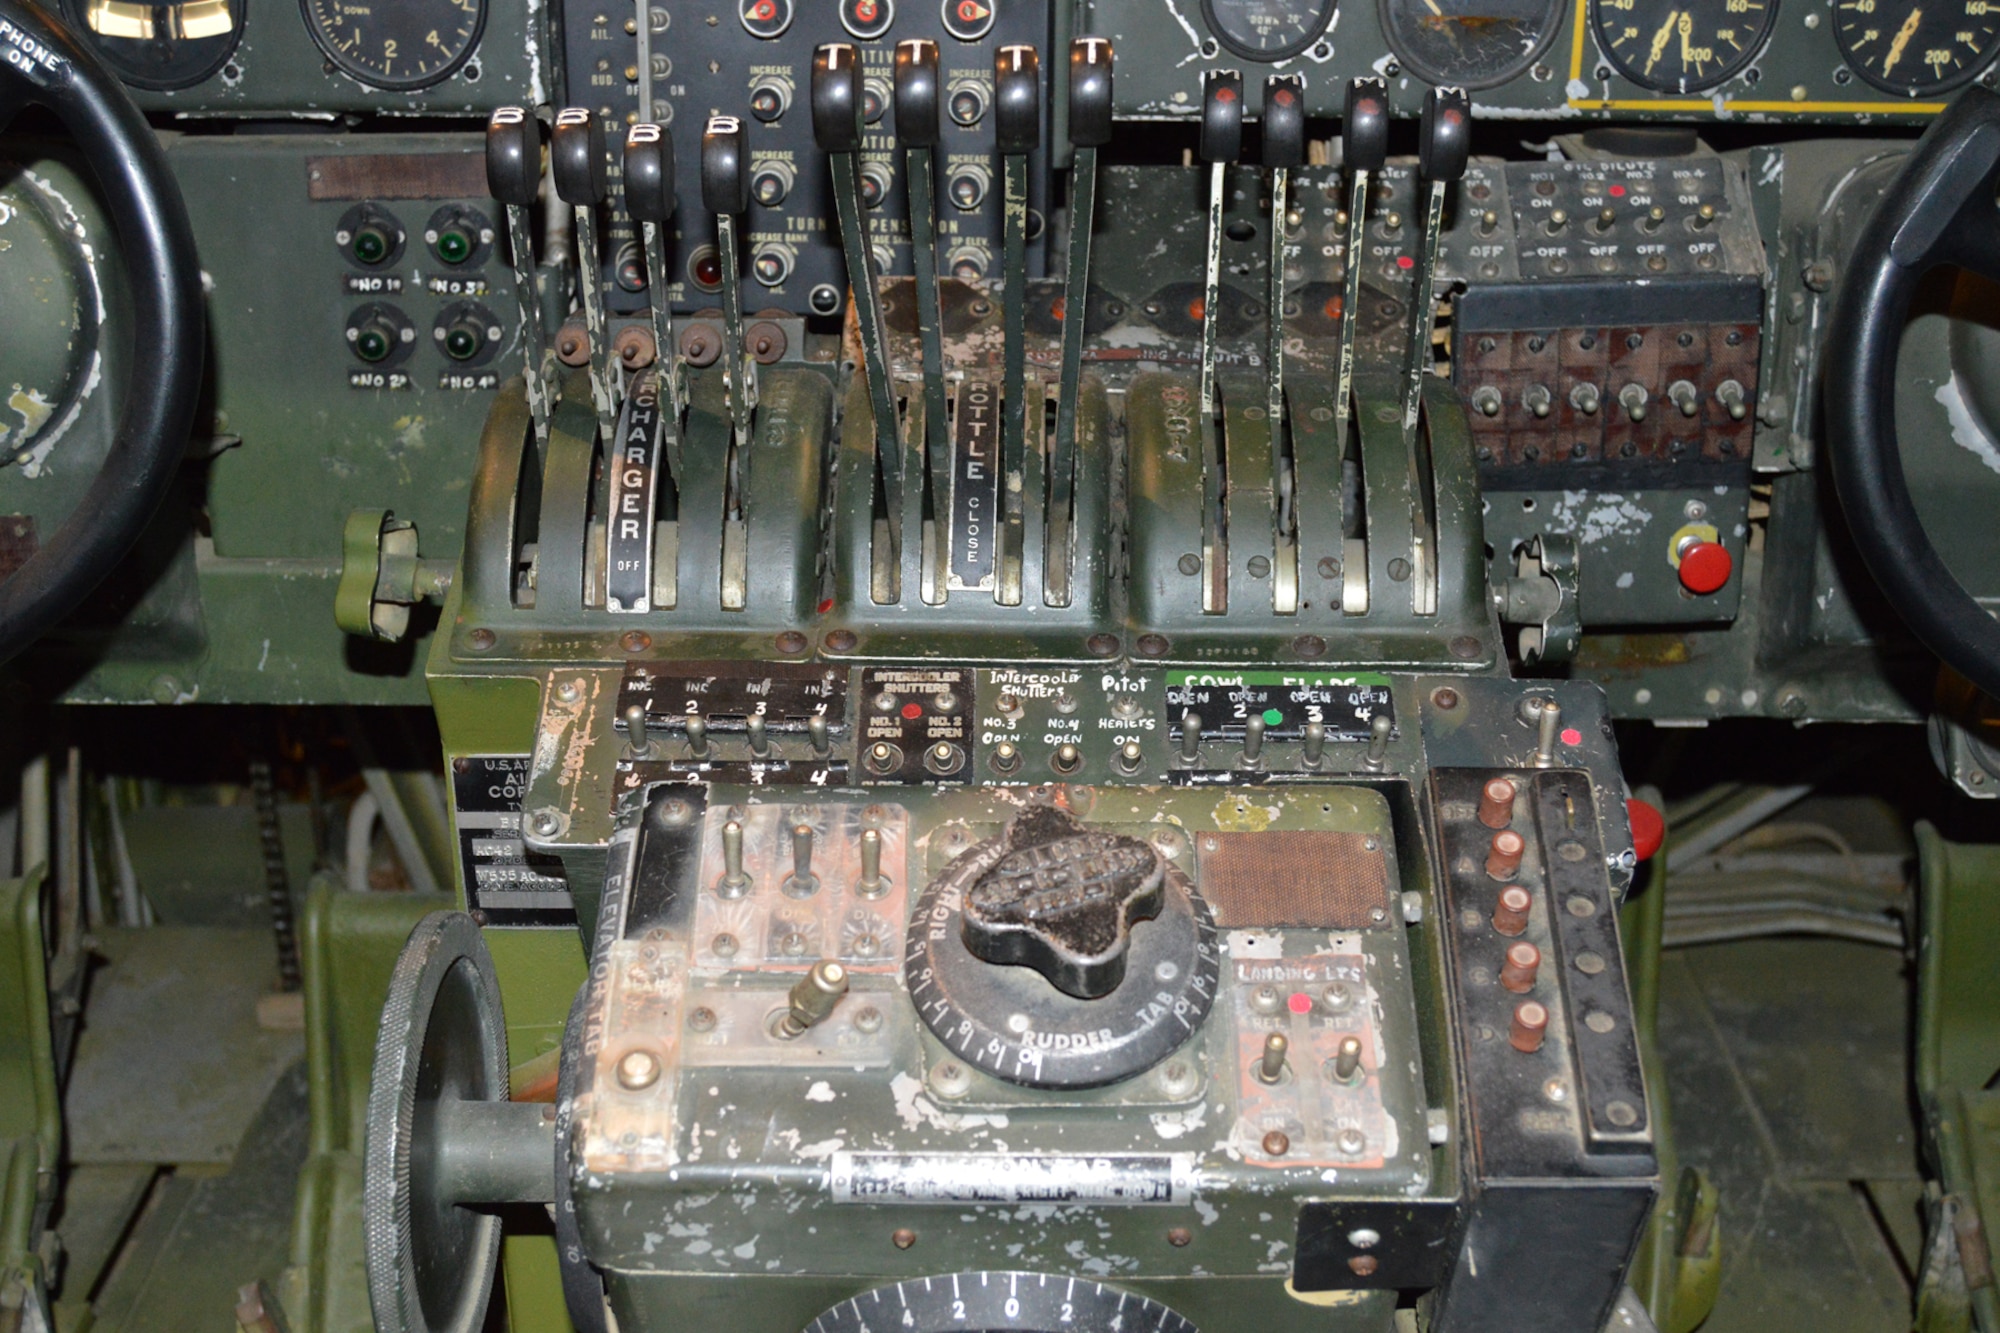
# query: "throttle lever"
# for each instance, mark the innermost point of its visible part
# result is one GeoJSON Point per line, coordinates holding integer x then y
{"type": "Point", "coordinates": [836, 117]}
{"type": "Point", "coordinates": [514, 177]}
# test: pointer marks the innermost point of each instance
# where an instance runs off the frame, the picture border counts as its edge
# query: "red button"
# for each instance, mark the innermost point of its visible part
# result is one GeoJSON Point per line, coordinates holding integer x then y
{"type": "Point", "coordinates": [1705, 567]}
{"type": "Point", "coordinates": [1649, 829]}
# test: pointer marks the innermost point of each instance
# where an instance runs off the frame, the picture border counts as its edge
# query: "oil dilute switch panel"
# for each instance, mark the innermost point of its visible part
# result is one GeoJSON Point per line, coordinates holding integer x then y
{"type": "Point", "coordinates": [1553, 1092]}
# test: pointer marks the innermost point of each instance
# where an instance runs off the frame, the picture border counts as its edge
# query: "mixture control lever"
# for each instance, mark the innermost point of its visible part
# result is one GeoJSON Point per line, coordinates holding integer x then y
{"type": "Point", "coordinates": [725, 189]}
{"type": "Point", "coordinates": [583, 181]}
{"type": "Point", "coordinates": [1090, 61]}
{"type": "Point", "coordinates": [1443, 144]}
{"type": "Point", "coordinates": [514, 177]}
{"type": "Point", "coordinates": [1221, 145]}
{"type": "Point", "coordinates": [1364, 149]}
{"type": "Point", "coordinates": [1284, 152]}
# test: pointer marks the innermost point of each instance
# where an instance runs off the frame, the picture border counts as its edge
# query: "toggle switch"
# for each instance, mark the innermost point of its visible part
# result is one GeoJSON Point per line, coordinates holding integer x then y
{"type": "Point", "coordinates": [1518, 967]}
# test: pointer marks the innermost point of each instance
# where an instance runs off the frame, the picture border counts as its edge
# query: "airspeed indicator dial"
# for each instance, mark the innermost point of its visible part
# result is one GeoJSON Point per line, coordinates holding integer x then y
{"type": "Point", "coordinates": [1682, 46]}
{"type": "Point", "coordinates": [397, 47]}
{"type": "Point", "coordinates": [1917, 47]}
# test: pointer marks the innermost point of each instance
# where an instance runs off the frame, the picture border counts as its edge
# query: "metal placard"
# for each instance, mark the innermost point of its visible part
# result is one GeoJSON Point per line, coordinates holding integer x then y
{"type": "Point", "coordinates": [975, 488]}
{"type": "Point", "coordinates": [505, 883]}
{"type": "Point", "coordinates": [628, 553]}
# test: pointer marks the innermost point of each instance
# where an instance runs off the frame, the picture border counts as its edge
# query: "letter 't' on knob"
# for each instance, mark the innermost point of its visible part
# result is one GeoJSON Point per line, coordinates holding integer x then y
{"type": "Point", "coordinates": [649, 173]}
{"type": "Point", "coordinates": [582, 174]}
{"type": "Point", "coordinates": [1221, 116]}
{"type": "Point", "coordinates": [725, 180]}
{"type": "Point", "coordinates": [1444, 135]}
{"type": "Point", "coordinates": [1364, 132]}
{"type": "Point", "coordinates": [1017, 99]}
{"type": "Point", "coordinates": [917, 92]}
{"type": "Point", "coordinates": [1090, 92]}
{"type": "Point", "coordinates": [836, 98]}
{"type": "Point", "coordinates": [1284, 121]}
{"type": "Point", "coordinates": [514, 156]}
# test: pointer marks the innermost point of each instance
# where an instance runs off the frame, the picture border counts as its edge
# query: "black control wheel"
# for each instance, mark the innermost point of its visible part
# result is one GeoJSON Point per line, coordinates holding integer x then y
{"type": "Point", "coordinates": [442, 1044]}
{"type": "Point", "coordinates": [1059, 956]}
{"type": "Point", "coordinates": [41, 64]}
{"type": "Point", "coordinates": [1015, 1302]}
{"type": "Point", "coordinates": [1938, 212]}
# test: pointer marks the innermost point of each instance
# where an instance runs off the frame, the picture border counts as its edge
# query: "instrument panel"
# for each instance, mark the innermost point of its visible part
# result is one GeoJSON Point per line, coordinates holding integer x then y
{"type": "Point", "coordinates": [1699, 60]}
{"type": "Point", "coordinates": [317, 58]}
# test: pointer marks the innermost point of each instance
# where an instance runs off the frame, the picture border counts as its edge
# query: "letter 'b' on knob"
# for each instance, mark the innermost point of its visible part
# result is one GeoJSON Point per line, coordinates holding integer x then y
{"type": "Point", "coordinates": [1364, 133]}
{"type": "Point", "coordinates": [1090, 92]}
{"type": "Point", "coordinates": [836, 98]}
{"type": "Point", "coordinates": [582, 176]}
{"type": "Point", "coordinates": [917, 92]}
{"type": "Point", "coordinates": [1017, 99]}
{"type": "Point", "coordinates": [649, 173]}
{"type": "Point", "coordinates": [514, 156]}
{"type": "Point", "coordinates": [725, 185]}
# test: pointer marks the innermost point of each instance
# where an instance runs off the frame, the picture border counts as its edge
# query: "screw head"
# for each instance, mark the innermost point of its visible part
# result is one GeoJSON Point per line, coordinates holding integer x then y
{"type": "Point", "coordinates": [1307, 647]}
{"type": "Point", "coordinates": [635, 641]}
{"type": "Point", "coordinates": [950, 1079]}
{"type": "Point", "coordinates": [1444, 698]}
{"type": "Point", "coordinates": [638, 1069]}
{"type": "Point", "coordinates": [1350, 1142]}
{"type": "Point", "coordinates": [1102, 645]}
{"type": "Point", "coordinates": [791, 643]}
{"type": "Point", "coordinates": [902, 1238]}
{"type": "Point", "coordinates": [1179, 1237]}
{"type": "Point", "coordinates": [1153, 645]}
{"type": "Point", "coordinates": [1277, 1143]}
{"type": "Point", "coordinates": [841, 641]}
{"type": "Point", "coordinates": [701, 1018]}
{"type": "Point", "coordinates": [481, 639]}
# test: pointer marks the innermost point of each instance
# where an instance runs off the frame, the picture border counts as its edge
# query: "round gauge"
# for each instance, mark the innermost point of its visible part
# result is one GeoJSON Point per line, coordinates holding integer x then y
{"type": "Point", "coordinates": [765, 19]}
{"type": "Point", "coordinates": [159, 47]}
{"type": "Point", "coordinates": [1917, 47]}
{"type": "Point", "coordinates": [1267, 30]}
{"type": "Point", "coordinates": [1682, 46]}
{"type": "Point", "coordinates": [1014, 1302]}
{"type": "Point", "coordinates": [399, 47]}
{"type": "Point", "coordinates": [1470, 43]}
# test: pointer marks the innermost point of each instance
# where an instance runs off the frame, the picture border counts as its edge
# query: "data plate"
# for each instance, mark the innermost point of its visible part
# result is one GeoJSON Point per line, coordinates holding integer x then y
{"type": "Point", "coordinates": [1010, 1178]}
{"type": "Point", "coordinates": [505, 883]}
{"type": "Point", "coordinates": [1345, 705]}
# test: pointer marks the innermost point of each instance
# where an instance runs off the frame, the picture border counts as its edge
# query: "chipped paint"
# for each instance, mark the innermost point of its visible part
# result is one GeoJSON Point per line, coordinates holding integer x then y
{"type": "Point", "coordinates": [1966, 430]}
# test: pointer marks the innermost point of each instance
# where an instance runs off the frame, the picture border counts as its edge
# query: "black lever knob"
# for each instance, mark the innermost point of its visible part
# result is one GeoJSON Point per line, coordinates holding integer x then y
{"type": "Point", "coordinates": [514, 156]}
{"type": "Point", "coordinates": [582, 175]}
{"type": "Point", "coordinates": [1017, 99]}
{"type": "Point", "coordinates": [1090, 60]}
{"type": "Point", "coordinates": [1284, 121]}
{"type": "Point", "coordinates": [649, 173]}
{"type": "Point", "coordinates": [1364, 132]}
{"type": "Point", "coordinates": [917, 92]}
{"type": "Point", "coordinates": [836, 98]}
{"type": "Point", "coordinates": [1222, 116]}
{"type": "Point", "coordinates": [1444, 135]}
{"type": "Point", "coordinates": [725, 179]}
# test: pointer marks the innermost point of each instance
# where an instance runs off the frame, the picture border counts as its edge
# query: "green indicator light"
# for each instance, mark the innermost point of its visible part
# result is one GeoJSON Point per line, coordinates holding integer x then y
{"type": "Point", "coordinates": [454, 246]}
{"type": "Point", "coordinates": [1272, 717]}
{"type": "Point", "coordinates": [371, 245]}
{"type": "Point", "coordinates": [461, 342]}
{"type": "Point", "coordinates": [371, 344]}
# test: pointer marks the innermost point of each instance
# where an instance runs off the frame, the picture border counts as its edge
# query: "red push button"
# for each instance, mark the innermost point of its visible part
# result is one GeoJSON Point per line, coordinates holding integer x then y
{"type": "Point", "coordinates": [1705, 567]}
{"type": "Point", "coordinates": [1649, 829]}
